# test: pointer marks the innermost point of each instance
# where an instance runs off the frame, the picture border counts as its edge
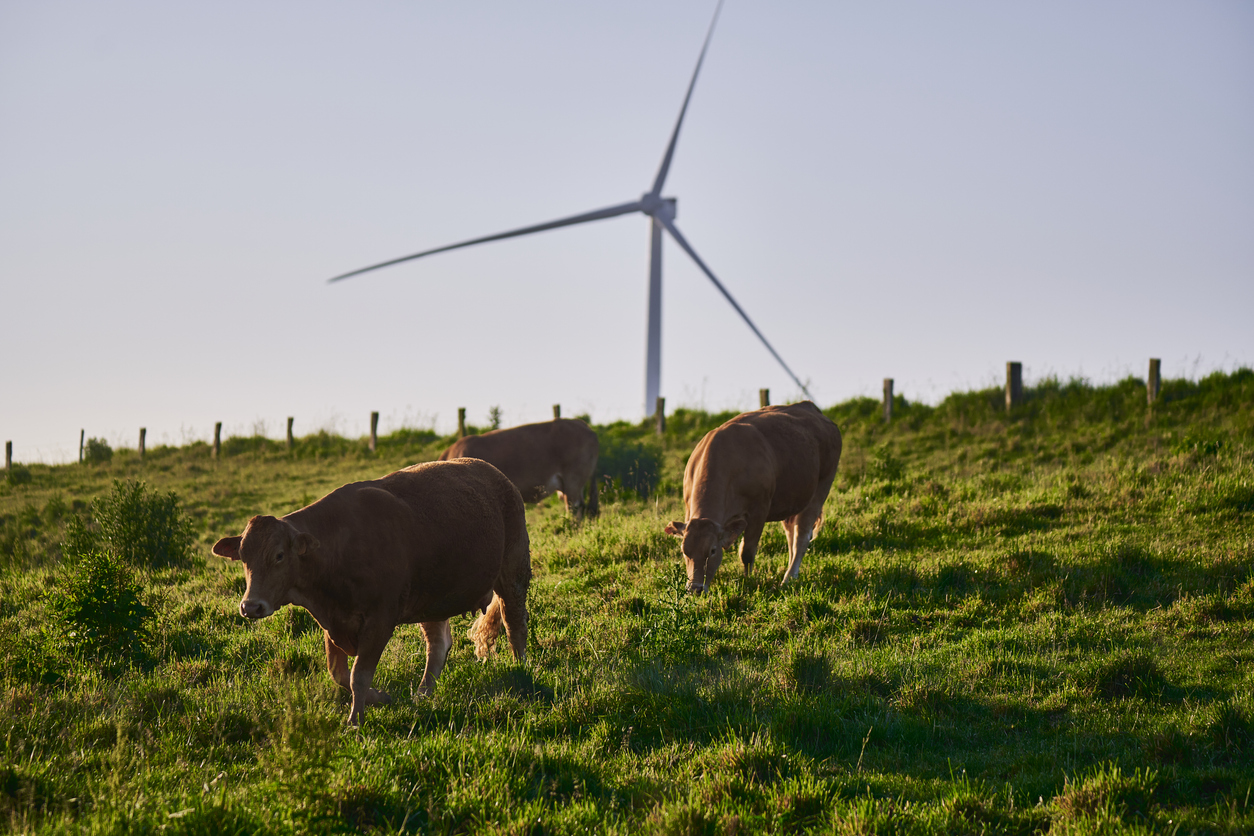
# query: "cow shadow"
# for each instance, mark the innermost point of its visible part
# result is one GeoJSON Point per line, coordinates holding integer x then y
{"type": "Point", "coordinates": [479, 684]}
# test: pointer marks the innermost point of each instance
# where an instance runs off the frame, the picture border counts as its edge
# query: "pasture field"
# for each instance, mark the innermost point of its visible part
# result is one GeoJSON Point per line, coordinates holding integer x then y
{"type": "Point", "coordinates": [1026, 622]}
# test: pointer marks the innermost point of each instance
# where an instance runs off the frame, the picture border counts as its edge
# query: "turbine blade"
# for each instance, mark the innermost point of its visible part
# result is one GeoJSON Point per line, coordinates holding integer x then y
{"type": "Point", "coordinates": [670, 149]}
{"type": "Point", "coordinates": [600, 214]}
{"type": "Point", "coordinates": [679, 239]}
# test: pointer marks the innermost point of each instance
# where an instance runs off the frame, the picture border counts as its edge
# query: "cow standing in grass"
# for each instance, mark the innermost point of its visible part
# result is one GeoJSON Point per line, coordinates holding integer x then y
{"type": "Point", "coordinates": [775, 463]}
{"type": "Point", "coordinates": [417, 546]}
{"type": "Point", "coordinates": [558, 455]}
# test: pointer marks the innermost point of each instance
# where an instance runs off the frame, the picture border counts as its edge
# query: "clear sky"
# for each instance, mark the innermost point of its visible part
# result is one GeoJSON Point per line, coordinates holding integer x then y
{"type": "Point", "coordinates": [920, 191]}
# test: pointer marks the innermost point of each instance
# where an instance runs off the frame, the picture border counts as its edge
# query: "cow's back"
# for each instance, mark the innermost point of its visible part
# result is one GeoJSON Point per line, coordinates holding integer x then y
{"type": "Point", "coordinates": [533, 456]}
{"type": "Point", "coordinates": [798, 434]}
{"type": "Point", "coordinates": [789, 451]}
{"type": "Point", "coordinates": [432, 536]}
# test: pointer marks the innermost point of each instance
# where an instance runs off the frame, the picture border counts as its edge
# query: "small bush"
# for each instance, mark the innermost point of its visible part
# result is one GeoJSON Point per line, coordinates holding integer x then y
{"type": "Point", "coordinates": [674, 628]}
{"type": "Point", "coordinates": [629, 465]}
{"type": "Point", "coordinates": [17, 474]}
{"type": "Point", "coordinates": [97, 451]}
{"type": "Point", "coordinates": [96, 609]}
{"type": "Point", "coordinates": [143, 528]}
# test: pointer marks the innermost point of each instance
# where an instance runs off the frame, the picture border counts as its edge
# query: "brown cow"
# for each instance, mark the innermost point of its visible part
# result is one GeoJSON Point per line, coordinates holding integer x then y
{"type": "Point", "coordinates": [776, 463]}
{"type": "Point", "coordinates": [418, 546]}
{"type": "Point", "coordinates": [558, 455]}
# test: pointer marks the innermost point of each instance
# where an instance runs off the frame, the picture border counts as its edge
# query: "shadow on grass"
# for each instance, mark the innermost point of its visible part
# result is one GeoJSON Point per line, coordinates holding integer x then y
{"type": "Point", "coordinates": [903, 533]}
{"type": "Point", "coordinates": [1116, 573]}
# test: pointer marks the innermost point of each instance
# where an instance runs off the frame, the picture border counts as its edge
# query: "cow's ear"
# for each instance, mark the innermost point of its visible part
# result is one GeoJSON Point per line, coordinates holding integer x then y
{"type": "Point", "coordinates": [306, 543]}
{"type": "Point", "coordinates": [732, 531]}
{"type": "Point", "coordinates": [675, 528]}
{"type": "Point", "coordinates": [228, 547]}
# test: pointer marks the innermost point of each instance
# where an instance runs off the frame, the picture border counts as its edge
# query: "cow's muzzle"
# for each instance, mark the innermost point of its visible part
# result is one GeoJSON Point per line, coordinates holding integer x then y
{"type": "Point", "coordinates": [254, 609]}
{"type": "Point", "coordinates": [696, 588]}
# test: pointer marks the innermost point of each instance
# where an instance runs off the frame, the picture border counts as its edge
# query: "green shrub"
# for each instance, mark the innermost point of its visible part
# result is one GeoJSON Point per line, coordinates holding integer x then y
{"type": "Point", "coordinates": [18, 474]}
{"type": "Point", "coordinates": [629, 465]}
{"type": "Point", "coordinates": [96, 609]}
{"type": "Point", "coordinates": [97, 451]}
{"type": "Point", "coordinates": [142, 527]}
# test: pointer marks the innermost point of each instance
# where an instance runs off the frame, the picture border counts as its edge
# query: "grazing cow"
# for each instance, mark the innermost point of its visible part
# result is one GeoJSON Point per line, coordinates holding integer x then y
{"type": "Point", "coordinates": [558, 455]}
{"type": "Point", "coordinates": [418, 546]}
{"type": "Point", "coordinates": [776, 463]}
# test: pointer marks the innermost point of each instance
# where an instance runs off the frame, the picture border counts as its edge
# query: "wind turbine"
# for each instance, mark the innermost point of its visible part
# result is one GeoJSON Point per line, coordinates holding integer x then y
{"type": "Point", "coordinates": [662, 212]}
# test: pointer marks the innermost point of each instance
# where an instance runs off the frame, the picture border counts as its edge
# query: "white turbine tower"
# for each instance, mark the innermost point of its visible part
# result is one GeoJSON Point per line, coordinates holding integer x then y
{"type": "Point", "coordinates": [662, 212]}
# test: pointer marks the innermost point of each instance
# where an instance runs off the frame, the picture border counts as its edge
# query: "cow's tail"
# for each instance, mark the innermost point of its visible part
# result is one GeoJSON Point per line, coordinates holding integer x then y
{"type": "Point", "coordinates": [487, 627]}
{"type": "Point", "coordinates": [593, 507]}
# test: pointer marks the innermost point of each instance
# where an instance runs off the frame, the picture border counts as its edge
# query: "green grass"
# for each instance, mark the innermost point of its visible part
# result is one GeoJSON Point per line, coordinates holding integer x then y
{"type": "Point", "coordinates": [1010, 623]}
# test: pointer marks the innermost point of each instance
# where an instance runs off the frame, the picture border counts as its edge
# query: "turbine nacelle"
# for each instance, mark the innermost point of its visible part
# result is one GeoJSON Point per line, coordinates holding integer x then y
{"type": "Point", "coordinates": [662, 208]}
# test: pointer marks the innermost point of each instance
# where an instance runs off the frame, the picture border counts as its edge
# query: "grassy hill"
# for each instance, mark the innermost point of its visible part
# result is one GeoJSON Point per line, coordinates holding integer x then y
{"type": "Point", "coordinates": [1025, 622]}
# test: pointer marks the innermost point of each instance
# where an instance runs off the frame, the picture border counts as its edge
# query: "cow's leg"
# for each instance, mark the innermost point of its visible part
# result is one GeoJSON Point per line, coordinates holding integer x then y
{"type": "Point", "coordinates": [592, 505]}
{"type": "Point", "coordinates": [790, 533]}
{"type": "Point", "coordinates": [439, 636]}
{"type": "Point", "coordinates": [804, 530]}
{"type": "Point", "coordinates": [337, 663]}
{"type": "Point", "coordinates": [806, 524]}
{"type": "Point", "coordinates": [512, 586]}
{"type": "Point", "coordinates": [370, 643]}
{"type": "Point", "coordinates": [574, 507]}
{"type": "Point", "coordinates": [572, 496]}
{"type": "Point", "coordinates": [749, 545]}
{"type": "Point", "coordinates": [515, 607]}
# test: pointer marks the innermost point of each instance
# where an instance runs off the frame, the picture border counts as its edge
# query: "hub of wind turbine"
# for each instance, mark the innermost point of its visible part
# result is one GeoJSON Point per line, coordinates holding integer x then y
{"type": "Point", "coordinates": [658, 207]}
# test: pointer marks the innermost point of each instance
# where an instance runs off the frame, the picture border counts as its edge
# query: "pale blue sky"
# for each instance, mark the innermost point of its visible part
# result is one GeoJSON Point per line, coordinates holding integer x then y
{"type": "Point", "coordinates": [915, 190]}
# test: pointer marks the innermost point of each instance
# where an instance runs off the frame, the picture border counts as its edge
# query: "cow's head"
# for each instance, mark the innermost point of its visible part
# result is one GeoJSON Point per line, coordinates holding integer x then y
{"type": "Point", "coordinates": [270, 550]}
{"type": "Point", "coordinates": [703, 543]}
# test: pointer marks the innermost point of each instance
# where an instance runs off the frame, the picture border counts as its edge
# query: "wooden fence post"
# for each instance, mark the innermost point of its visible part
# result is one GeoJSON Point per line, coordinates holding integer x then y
{"type": "Point", "coordinates": [764, 398]}
{"type": "Point", "coordinates": [291, 442]}
{"type": "Point", "coordinates": [888, 399]}
{"type": "Point", "coordinates": [1154, 381]}
{"type": "Point", "coordinates": [660, 415]}
{"type": "Point", "coordinates": [217, 439]}
{"type": "Point", "coordinates": [461, 422]}
{"type": "Point", "coordinates": [374, 431]}
{"type": "Point", "coordinates": [82, 439]}
{"type": "Point", "coordinates": [557, 411]}
{"type": "Point", "coordinates": [143, 431]}
{"type": "Point", "coordinates": [1014, 384]}
{"type": "Point", "coordinates": [8, 456]}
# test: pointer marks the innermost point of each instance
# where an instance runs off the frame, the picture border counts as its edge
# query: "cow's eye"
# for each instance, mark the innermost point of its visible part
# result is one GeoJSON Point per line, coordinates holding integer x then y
{"type": "Point", "coordinates": [278, 558]}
